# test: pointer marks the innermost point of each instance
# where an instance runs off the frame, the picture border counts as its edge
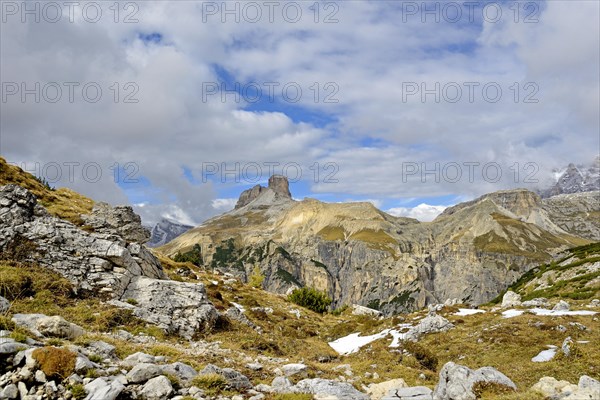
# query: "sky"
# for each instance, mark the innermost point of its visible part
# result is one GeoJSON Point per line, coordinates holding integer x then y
{"type": "Point", "coordinates": [176, 107]}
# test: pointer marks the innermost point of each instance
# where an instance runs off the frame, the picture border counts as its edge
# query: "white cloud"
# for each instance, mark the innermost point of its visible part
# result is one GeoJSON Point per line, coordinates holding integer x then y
{"type": "Point", "coordinates": [224, 205]}
{"type": "Point", "coordinates": [423, 212]}
{"type": "Point", "coordinates": [172, 126]}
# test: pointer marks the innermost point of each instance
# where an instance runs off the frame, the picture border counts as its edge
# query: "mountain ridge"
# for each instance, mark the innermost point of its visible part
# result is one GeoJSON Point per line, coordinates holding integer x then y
{"type": "Point", "coordinates": [360, 254]}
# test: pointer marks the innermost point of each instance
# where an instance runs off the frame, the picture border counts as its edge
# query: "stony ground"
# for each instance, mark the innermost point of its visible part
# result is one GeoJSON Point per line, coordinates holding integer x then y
{"type": "Point", "coordinates": [274, 349]}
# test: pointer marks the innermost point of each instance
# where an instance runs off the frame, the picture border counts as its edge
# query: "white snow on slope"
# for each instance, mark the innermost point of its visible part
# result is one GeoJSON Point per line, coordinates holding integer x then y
{"type": "Point", "coordinates": [543, 311]}
{"type": "Point", "coordinates": [463, 312]}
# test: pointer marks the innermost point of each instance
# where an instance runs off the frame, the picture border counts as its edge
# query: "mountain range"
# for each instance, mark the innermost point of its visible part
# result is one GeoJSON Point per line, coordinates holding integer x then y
{"type": "Point", "coordinates": [358, 254]}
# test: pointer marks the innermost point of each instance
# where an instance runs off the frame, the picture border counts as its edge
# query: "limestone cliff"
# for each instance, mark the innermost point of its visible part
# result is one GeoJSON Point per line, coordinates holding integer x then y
{"type": "Point", "coordinates": [359, 254]}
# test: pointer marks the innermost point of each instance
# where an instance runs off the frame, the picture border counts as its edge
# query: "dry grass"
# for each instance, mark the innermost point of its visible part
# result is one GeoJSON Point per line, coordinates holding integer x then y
{"type": "Point", "coordinates": [55, 362]}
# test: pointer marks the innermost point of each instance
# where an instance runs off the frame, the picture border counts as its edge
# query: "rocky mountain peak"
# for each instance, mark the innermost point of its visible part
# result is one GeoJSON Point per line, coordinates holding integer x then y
{"type": "Point", "coordinates": [278, 186]}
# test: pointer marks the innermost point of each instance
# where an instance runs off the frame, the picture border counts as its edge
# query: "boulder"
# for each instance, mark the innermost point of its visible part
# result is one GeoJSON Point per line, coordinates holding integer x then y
{"type": "Point", "coordinates": [176, 307]}
{"type": "Point", "coordinates": [430, 324]}
{"type": "Point", "coordinates": [410, 393]}
{"type": "Point", "coordinates": [324, 388]}
{"type": "Point", "coordinates": [294, 369]}
{"type": "Point", "coordinates": [143, 372]}
{"type": "Point", "coordinates": [103, 389]}
{"type": "Point", "coordinates": [137, 358]}
{"type": "Point", "coordinates": [561, 306]}
{"type": "Point", "coordinates": [9, 392]}
{"type": "Point", "coordinates": [585, 382]}
{"type": "Point", "coordinates": [567, 346]}
{"type": "Point", "coordinates": [548, 386]}
{"type": "Point", "coordinates": [57, 326]}
{"type": "Point", "coordinates": [10, 346]}
{"type": "Point", "coordinates": [456, 381]}
{"type": "Point", "coordinates": [180, 370]}
{"type": "Point", "coordinates": [362, 310]}
{"type": "Point", "coordinates": [157, 388]}
{"type": "Point", "coordinates": [378, 391]}
{"type": "Point", "coordinates": [102, 349]}
{"type": "Point", "coordinates": [234, 378]}
{"type": "Point", "coordinates": [537, 302]}
{"type": "Point", "coordinates": [511, 299]}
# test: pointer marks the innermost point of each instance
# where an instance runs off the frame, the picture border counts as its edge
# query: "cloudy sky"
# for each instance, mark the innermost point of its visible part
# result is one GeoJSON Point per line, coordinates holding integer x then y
{"type": "Point", "coordinates": [176, 107]}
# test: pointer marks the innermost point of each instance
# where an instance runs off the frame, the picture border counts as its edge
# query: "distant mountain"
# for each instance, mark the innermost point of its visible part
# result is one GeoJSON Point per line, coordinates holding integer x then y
{"type": "Point", "coordinates": [165, 231]}
{"type": "Point", "coordinates": [576, 179]}
{"type": "Point", "coordinates": [358, 254]}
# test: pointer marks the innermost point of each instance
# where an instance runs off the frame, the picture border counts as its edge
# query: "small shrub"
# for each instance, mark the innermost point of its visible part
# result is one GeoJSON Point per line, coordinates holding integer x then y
{"type": "Point", "coordinates": [310, 298]}
{"type": "Point", "coordinates": [91, 373]}
{"type": "Point", "coordinates": [19, 249]}
{"type": "Point", "coordinates": [425, 357]}
{"type": "Point", "coordinates": [257, 278]}
{"type": "Point", "coordinates": [174, 380]}
{"type": "Point", "coordinates": [95, 358]}
{"type": "Point", "coordinates": [6, 323]}
{"type": "Point", "coordinates": [56, 342]}
{"type": "Point", "coordinates": [55, 362]}
{"type": "Point", "coordinates": [77, 391]}
{"type": "Point", "coordinates": [483, 390]}
{"type": "Point", "coordinates": [212, 384]}
{"type": "Point", "coordinates": [18, 336]}
{"type": "Point", "coordinates": [133, 302]}
{"type": "Point", "coordinates": [338, 311]}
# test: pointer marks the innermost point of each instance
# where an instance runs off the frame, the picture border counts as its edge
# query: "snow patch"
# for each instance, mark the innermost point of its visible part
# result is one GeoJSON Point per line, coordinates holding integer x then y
{"type": "Point", "coordinates": [462, 312]}
{"type": "Point", "coordinates": [545, 355]}
{"type": "Point", "coordinates": [545, 312]}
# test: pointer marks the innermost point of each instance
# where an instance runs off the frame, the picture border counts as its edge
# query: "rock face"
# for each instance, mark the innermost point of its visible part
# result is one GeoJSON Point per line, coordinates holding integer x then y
{"type": "Point", "coordinates": [585, 178]}
{"type": "Point", "coordinates": [165, 231]}
{"type": "Point", "coordinates": [121, 220]}
{"type": "Point", "coordinates": [456, 381]}
{"type": "Point", "coordinates": [575, 212]}
{"type": "Point", "coordinates": [360, 255]}
{"type": "Point", "coordinates": [278, 187]}
{"type": "Point", "coordinates": [111, 261]}
{"type": "Point", "coordinates": [103, 262]}
{"type": "Point", "coordinates": [176, 307]}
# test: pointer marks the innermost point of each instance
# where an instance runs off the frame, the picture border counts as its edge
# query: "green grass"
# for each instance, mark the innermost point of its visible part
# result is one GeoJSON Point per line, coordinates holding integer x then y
{"type": "Point", "coordinates": [376, 239]}
{"type": "Point", "coordinates": [332, 233]}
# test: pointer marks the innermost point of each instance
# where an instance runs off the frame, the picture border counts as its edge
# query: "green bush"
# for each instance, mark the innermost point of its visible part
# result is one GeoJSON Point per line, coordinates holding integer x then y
{"type": "Point", "coordinates": [425, 357]}
{"type": "Point", "coordinates": [212, 384]}
{"type": "Point", "coordinates": [257, 278]}
{"type": "Point", "coordinates": [194, 256]}
{"type": "Point", "coordinates": [310, 298]}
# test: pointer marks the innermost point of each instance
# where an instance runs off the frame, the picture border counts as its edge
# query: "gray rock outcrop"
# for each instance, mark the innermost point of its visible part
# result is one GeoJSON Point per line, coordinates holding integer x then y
{"type": "Point", "coordinates": [511, 299]}
{"type": "Point", "coordinates": [430, 324]}
{"type": "Point", "coordinates": [105, 219]}
{"type": "Point", "coordinates": [111, 261]}
{"type": "Point", "coordinates": [278, 187]}
{"type": "Point", "coordinates": [456, 381]}
{"type": "Point", "coordinates": [177, 307]}
{"type": "Point", "coordinates": [323, 388]}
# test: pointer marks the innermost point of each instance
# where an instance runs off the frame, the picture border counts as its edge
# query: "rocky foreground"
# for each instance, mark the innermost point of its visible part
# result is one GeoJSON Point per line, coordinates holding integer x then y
{"type": "Point", "coordinates": [87, 312]}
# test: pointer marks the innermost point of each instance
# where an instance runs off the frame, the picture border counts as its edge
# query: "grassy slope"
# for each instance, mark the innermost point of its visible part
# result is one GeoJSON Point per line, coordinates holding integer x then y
{"type": "Point", "coordinates": [478, 340]}
{"type": "Point", "coordinates": [62, 202]}
{"type": "Point", "coordinates": [566, 275]}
